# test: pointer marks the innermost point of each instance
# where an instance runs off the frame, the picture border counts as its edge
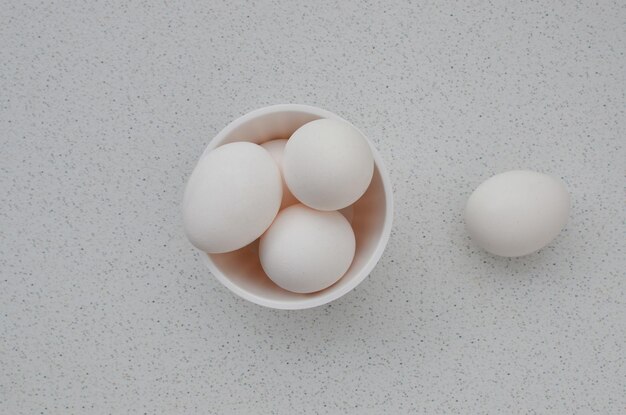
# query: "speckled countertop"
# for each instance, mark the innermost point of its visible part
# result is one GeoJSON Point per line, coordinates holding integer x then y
{"type": "Point", "coordinates": [106, 308]}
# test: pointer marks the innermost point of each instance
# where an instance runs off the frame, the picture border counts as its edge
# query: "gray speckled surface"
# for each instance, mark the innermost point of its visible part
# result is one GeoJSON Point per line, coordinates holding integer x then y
{"type": "Point", "coordinates": [105, 307]}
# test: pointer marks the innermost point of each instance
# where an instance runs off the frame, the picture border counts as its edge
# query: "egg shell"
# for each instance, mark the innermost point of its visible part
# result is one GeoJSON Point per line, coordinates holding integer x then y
{"type": "Point", "coordinates": [306, 250]}
{"type": "Point", "coordinates": [231, 198]}
{"type": "Point", "coordinates": [328, 164]}
{"type": "Point", "coordinates": [276, 148]}
{"type": "Point", "coordinates": [517, 212]}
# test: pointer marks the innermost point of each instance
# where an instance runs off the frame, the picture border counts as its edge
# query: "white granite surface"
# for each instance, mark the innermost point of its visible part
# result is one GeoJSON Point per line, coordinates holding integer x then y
{"type": "Point", "coordinates": [106, 309]}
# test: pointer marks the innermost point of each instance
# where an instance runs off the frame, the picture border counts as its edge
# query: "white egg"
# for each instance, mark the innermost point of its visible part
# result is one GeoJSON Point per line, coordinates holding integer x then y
{"type": "Point", "coordinates": [231, 198]}
{"type": "Point", "coordinates": [276, 148]}
{"type": "Point", "coordinates": [306, 250]}
{"type": "Point", "coordinates": [518, 212]}
{"type": "Point", "coordinates": [328, 164]}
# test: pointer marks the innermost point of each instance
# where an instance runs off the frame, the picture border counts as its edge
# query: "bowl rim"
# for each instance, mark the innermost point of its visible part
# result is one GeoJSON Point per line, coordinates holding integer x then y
{"type": "Point", "coordinates": [372, 260]}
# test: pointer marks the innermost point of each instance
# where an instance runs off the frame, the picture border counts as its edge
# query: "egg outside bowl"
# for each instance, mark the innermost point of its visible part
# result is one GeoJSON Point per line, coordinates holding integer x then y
{"type": "Point", "coordinates": [240, 271]}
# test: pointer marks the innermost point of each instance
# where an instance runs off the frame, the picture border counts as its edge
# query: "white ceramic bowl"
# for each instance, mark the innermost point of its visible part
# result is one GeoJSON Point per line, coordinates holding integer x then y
{"type": "Point", "coordinates": [240, 271]}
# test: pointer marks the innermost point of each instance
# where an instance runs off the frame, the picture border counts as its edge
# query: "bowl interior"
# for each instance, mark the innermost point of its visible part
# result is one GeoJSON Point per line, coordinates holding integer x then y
{"type": "Point", "coordinates": [241, 270]}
